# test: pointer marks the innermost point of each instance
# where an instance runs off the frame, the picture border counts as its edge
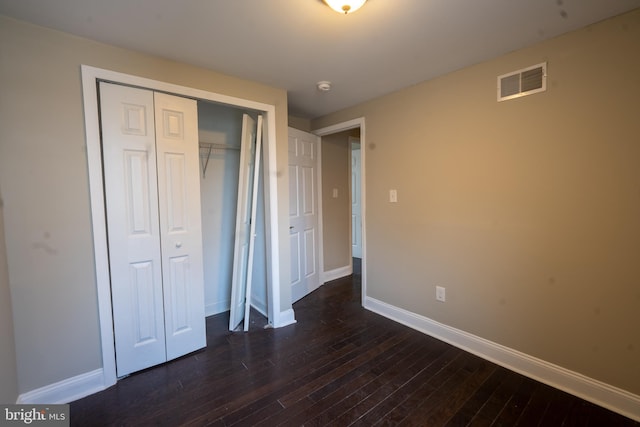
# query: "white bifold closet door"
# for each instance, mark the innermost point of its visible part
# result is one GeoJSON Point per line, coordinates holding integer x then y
{"type": "Point", "coordinates": [248, 178]}
{"type": "Point", "coordinates": [152, 191]}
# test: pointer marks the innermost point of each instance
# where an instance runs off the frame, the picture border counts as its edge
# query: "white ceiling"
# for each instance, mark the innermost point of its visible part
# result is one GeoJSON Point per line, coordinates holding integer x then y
{"type": "Point", "coordinates": [292, 44]}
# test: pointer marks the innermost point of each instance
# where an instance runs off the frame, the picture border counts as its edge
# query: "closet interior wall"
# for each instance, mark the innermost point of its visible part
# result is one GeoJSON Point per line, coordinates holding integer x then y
{"type": "Point", "coordinates": [219, 129]}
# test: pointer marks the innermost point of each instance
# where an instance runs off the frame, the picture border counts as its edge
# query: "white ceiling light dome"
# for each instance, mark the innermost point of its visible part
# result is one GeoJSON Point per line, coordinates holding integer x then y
{"type": "Point", "coordinates": [345, 6]}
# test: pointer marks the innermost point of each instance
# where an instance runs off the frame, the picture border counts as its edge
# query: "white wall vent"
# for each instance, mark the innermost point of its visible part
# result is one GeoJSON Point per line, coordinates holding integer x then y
{"type": "Point", "coordinates": [523, 82]}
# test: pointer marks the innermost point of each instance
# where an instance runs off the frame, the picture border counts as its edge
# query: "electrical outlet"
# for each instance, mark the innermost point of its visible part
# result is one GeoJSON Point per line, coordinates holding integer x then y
{"type": "Point", "coordinates": [335, 193]}
{"type": "Point", "coordinates": [393, 196]}
{"type": "Point", "coordinates": [440, 294]}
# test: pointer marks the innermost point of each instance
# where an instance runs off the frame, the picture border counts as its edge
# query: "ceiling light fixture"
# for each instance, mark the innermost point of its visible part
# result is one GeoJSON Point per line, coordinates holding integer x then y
{"type": "Point", "coordinates": [345, 6]}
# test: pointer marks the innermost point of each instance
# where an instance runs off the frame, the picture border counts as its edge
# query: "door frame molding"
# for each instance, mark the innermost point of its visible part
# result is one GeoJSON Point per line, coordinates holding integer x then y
{"type": "Point", "coordinates": [339, 127]}
{"type": "Point", "coordinates": [90, 77]}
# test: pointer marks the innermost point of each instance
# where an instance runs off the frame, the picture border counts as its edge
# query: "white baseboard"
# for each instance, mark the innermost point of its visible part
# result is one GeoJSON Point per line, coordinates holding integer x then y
{"type": "Point", "coordinates": [260, 306]}
{"type": "Point", "coordinates": [217, 307]}
{"type": "Point", "coordinates": [337, 273]}
{"type": "Point", "coordinates": [605, 395]}
{"type": "Point", "coordinates": [284, 318]}
{"type": "Point", "coordinates": [67, 390]}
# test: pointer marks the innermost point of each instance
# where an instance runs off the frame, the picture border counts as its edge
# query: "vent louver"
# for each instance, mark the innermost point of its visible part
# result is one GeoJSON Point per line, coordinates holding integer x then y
{"type": "Point", "coordinates": [523, 82]}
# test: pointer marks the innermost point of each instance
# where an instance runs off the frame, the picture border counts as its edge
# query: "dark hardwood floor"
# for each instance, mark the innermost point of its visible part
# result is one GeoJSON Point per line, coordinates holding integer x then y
{"type": "Point", "coordinates": [339, 365]}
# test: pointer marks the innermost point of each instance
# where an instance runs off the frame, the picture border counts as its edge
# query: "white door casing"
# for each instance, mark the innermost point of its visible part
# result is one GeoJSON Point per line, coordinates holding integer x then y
{"type": "Point", "coordinates": [180, 223]}
{"type": "Point", "coordinates": [243, 222]}
{"type": "Point", "coordinates": [356, 217]}
{"type": "Point", "coordinates": [303, 213]}
{"type": "Point", "coordinates": [143, 216]}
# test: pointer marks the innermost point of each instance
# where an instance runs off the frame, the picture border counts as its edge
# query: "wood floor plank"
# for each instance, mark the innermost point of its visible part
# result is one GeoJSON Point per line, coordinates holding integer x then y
{"type": "Point", "coordinates": [497, 401]}
{"type": "Point", "coordinates": [350, 365]}
{"type": "Point", "coordinates": [338, 365]}
{"type": "Point", "coordinates": [536, 405]}
{"type": "Point", "coordinates": [312, 380]}
{"type": "Point", "coordinates": [388, 411]}
{"type": "Point", "coordinates": [336, 392]}
{"type": "Point", "coordinates": [424, 371]}
{"type": "Point", "coordinates": [471, 407]}
{"type": "Point", "coordinates": [394, 356]}
{"type": "Point", "coordinates": [516, 405]}
{"type": "Point", "coordinates": [407, 371]}
{"type": "Point", "coordinates": [212, 403]}
{"type": "Point", "coordinates": [560, 404]}
{"type": "Point", "coordinates": [452, 401]}
{"type": "Point", "coordinates": [445, 385]}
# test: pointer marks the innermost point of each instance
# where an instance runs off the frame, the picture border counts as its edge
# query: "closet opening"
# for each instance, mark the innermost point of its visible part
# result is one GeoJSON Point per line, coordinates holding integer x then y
{"type": "Point", "coordinates": [220, 134]}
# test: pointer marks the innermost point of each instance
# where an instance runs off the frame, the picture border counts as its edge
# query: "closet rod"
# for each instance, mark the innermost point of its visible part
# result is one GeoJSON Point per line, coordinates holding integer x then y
{"type": "Point", "coordinates": [208, 145]}
{"type": "Point", "coordinates": [205, 151]}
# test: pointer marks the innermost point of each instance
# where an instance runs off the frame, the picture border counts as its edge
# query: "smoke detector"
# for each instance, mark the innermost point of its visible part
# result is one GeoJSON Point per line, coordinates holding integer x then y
{"type": "Point", "coordinates": [324, 86]}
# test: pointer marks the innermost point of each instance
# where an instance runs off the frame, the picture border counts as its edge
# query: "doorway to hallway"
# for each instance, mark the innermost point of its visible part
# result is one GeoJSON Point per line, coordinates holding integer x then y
{"type": "Point", "coordinates": [343, 199]}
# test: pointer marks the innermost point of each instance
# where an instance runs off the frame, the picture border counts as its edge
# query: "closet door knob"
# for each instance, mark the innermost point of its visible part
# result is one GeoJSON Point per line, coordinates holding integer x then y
{"type": "Point", "coordinates": [178, 245]}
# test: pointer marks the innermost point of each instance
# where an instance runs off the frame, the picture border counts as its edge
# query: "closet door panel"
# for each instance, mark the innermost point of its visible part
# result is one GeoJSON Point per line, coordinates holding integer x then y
{"type": "Point", "coordinates": [180, 223]}
{"type": "Point", "coordinates": [133, 227]}
{"type": "Point", "coordinates": [176, 193]}
{"type": "Point", "coordinates": [179, 268]}
{"type": "Point", "coordinates": [142, 297]}
{"type": "Point", "coordinates": [243, 224]}
{"type": "Point", "coordinates": [138, 197]}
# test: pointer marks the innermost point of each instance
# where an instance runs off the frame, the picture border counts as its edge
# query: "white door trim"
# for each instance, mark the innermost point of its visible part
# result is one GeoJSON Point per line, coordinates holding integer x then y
{"type": "Point", "coordinates": [339, 127]}
{"type": "Point", "coordinates": [90, 77]}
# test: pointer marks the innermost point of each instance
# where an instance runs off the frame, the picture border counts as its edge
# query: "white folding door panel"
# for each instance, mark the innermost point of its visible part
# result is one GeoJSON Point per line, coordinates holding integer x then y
{"type": "Point", "coordinates": [303, 213]}
{"type": "Point", "coordinates": [129, 154]}
{"type": "Point", "coordinates": [252, 221]}
{"type": "Point", "coordinates": [180, 223]}
{"type": "Point", "coordinates": [243, 223]}
{"type": "Point", "coordinates": [153, 225]}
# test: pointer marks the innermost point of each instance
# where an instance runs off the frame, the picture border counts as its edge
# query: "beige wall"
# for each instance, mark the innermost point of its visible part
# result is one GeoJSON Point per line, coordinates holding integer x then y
{"type": "Point", "coordinates": [8, 370]}
{"type": "Point", "coordinates": [527, 211]}
{"type": "Point", "coordinates": [300, 123]}
{"type": "Point", "coordinates": [336, 212]}
{"type": "Point", "coordinates": [43, 170]}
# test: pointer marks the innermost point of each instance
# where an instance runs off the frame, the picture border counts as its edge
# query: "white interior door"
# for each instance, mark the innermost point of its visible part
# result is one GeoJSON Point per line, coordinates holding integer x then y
{"type": "Point", "coordinates": [129, 153]}
{"type": "Point", "coordinates": [356, 216]}
{"type": "Point", "coordinates": [303, 213]}
{"type": "Point", "coordinates": [243, 223]}
{"type": "Point", "coordinates": [153, 225]}
{"type": "Point", "coordinates": [180, 223]}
